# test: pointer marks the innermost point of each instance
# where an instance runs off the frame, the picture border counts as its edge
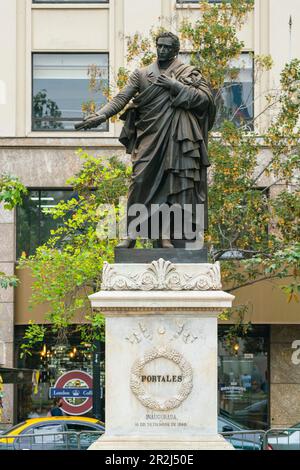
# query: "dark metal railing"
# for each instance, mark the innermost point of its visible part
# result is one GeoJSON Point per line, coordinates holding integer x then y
{"type": "Point", "coordinates": [246, 440]}
{"type": "Point", "coordinates": [283, 438]}
{"type": "Point", "coordinates": [272, 439]}
{"type": "Point", "coordinates": [50, 441]}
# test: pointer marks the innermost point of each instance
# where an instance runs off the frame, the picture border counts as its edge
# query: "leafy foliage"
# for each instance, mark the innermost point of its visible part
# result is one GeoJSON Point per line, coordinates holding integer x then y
{"type": "Point", "coordinates": [34, 334]}
{"type": "Point", "coordinates": [67, 268]}
{"type": "Point", "coordinates": [239, 330]}
{"type": "Point", "coordinates": [97, 86]}
{"type": "Point", "coordinates": [213, 37]}
{"type": "Point", "coordinates": [12, 191]}
{"type": "Point", "coordinates": [8, 281]}
{"type": "Point", "coordinates": [263, 230]}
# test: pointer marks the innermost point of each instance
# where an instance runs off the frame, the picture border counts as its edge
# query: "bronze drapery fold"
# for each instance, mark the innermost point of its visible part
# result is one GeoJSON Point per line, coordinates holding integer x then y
{"type": "Point", "coordinates": [167, 136]}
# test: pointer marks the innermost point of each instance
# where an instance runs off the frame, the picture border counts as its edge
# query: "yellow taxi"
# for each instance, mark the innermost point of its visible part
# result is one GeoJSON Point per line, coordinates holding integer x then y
{"type": "Point", "coordinates": [53, 433]}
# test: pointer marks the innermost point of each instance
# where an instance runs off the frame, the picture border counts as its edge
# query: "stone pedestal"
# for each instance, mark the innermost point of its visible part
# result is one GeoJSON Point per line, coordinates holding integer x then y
{"type": "Point", "coordinates": [161, 355]}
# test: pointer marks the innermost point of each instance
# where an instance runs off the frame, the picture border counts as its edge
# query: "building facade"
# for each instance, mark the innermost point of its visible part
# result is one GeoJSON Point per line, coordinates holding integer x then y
{"type": "Point", "coordinates": [46, 49]}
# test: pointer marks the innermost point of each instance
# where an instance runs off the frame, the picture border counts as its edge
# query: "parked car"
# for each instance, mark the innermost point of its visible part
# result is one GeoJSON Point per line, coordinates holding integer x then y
{"type": "Point", "coordinates": [239, 436]}
{"type": "Point", "coordinates": [285, 439]}
{"type": "Point", "coordinates": [73, 432]}
{"type": "Point", "coordinates": [52, 433]}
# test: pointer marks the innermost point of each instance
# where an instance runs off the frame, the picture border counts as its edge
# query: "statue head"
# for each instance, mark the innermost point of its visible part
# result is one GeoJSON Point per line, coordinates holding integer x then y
{"type": "Point", "coordinates": [168, 46]}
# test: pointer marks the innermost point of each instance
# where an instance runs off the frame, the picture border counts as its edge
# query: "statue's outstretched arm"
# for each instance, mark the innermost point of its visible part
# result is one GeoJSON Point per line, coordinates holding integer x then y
{"type": "Point", "coordinates": [114, 106]}
{"type": "Point", "coordinates": [122, 98]}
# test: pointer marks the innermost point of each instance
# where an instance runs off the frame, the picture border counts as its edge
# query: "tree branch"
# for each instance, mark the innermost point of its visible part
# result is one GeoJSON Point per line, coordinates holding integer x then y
{"type": "Point", "coordinates": [255, 281]}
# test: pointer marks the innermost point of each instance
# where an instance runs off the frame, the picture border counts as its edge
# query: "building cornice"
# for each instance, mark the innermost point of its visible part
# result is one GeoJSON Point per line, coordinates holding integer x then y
{"type": "Point", "coordinates": [59, 142]}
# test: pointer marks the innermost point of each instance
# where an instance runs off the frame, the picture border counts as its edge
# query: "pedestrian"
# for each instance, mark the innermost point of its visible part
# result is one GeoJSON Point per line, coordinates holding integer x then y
{"type": "Point", "coordinates": [57, 410]}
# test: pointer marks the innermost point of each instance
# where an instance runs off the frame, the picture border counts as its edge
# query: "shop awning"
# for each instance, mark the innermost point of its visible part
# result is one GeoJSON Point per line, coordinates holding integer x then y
{"type": "Point", "coordinates": [16, 376]}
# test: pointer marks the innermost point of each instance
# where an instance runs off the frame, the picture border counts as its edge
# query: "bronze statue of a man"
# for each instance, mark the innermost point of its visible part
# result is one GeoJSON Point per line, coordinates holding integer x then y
{"type": "Point", "coordinates": [166, 130]}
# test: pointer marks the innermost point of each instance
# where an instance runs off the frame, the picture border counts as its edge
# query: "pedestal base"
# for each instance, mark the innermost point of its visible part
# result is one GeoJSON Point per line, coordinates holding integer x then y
{"type": "Point", "coordinates": [161, 355]}
{"type": "Point", "coordinates": [208, 442]}
{"type": "Point", "coordinates": [175, 255]}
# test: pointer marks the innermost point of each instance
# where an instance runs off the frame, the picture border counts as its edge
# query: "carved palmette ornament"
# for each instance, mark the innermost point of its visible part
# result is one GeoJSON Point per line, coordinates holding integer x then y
{"type": "Point", "coordinates": [162, 275]}
{"type": "Point", "coordinates": [184, 389]}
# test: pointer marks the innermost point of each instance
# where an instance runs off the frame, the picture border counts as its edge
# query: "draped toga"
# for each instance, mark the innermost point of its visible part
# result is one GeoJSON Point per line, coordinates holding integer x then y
{"type": "Point", "coordinates": [166, 132]}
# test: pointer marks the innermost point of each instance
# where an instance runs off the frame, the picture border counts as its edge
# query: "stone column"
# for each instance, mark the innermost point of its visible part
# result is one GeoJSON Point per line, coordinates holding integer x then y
{"type": "Point", "coordinates": [161, 355]}
{"type": "Point", "coordinates": [285, 375]}
{"type": "Point", "coordinates": [7, 260]}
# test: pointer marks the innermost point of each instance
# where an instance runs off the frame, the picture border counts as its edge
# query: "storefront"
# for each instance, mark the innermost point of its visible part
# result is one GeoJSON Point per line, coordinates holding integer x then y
{"type": "Point", "coordinates": [54, 358]}
{"type": "Point", "coordinates": [243, 377]}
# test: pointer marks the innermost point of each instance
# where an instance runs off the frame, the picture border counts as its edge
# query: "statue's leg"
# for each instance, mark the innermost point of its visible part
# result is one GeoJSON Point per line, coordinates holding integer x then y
{"type": "Point", "coordinates": [165, 243]}
{"type": "Point", "coordinates": [127, 243]}
{"type": "Point", "coordinates": [165, 233]}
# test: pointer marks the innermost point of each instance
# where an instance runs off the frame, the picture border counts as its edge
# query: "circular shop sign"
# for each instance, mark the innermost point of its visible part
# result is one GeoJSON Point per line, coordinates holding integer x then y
{"type": "Point", "coordinates": [184, 387]}
{"type": "Point", "coordinates": [80, 380]}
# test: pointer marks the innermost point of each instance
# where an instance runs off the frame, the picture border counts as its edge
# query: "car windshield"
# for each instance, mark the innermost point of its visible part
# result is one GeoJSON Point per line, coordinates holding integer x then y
{"type": "Point", "coordinates": [229, 422]}
{"type": "Point", "coordinates": [13, 428]}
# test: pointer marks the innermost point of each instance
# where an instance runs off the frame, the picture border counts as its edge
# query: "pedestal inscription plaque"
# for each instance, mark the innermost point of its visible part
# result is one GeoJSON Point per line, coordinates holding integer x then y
{"type": "Point", "coordinates": [141, 375]}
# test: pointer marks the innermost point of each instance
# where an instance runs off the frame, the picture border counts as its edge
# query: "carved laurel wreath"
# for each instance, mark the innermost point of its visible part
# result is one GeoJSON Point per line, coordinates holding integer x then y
{"type": "Point", "coordinates": [139, 390]}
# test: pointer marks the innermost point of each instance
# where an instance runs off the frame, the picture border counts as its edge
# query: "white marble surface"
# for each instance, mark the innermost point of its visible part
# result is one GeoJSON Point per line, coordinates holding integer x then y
{"type": "Point", "coordinates": [161, 275]}
{"type": "Point", "coordinates": [161, 358]}
{"type": "Point", "coordinates": [114, 302]}
{"type": "Point", "coordinates": [211, 442]}
{"type": "Point", "coordinates": [128, 340]}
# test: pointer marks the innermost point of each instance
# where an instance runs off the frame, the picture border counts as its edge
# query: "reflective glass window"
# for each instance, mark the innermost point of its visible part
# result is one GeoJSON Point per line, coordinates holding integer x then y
{"type": "Point", "coordinates": [235, 99]}
{"type": "Point", "coordinates": [53, 358]}
{"type": "Point", "coordinates": [243, 377]}
{"type": "Point", "coordinates": [34, 223]}
{"type": "Point", "coordinates": [197, 1]}
{"type": "Point", "coordinates": [70, 1]}
{"type": "Point", "coordinates": [61, 89]}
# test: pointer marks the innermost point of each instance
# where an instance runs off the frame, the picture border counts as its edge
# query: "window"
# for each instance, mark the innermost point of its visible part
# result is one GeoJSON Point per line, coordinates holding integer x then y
{"type": "Point", "coordinates": [61, 89]}
{"type": "Point", "coordinates": [48, 436]}
{"type": "Point", "coordinates": [197, 1]}
{"type": "Point", "coordinates": [58, 357]}
{"type": "Point", "coordinates": [243, 377]}
{"type": "Point", "coordinates": [88, 434]}
{"type": "Point", "coordinates": [48, 433]}
{"type": "Point", "coordinates": [81, 427]}
{"type": "Point", "coordinates": [70, 1]}
{"type": "Point", "coordinates": [235, 102]}
{"type": "Point", "coordinates": [33, 222]}
{"type": "Point", "coordinates": [235, 99]}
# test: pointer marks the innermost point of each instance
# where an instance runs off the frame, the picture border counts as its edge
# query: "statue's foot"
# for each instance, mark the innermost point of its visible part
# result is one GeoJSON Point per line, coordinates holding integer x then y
{"type": "Point", "coordinates": [166, 243]}
{"type": "Point", "coordinates": [127, 243]}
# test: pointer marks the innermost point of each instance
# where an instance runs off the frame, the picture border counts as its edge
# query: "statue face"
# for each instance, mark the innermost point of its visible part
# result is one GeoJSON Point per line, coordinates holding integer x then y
{"type": "Point", "coordinates": [165, 49]}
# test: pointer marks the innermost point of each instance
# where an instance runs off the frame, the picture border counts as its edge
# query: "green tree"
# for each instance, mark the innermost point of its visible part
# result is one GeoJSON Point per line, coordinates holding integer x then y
{"type": "Point", "coordinates": [67, 268]}
{"type": "Point", "coordinates": [244, 221]}
{"type": "Point", "coordinates": [12, 192]}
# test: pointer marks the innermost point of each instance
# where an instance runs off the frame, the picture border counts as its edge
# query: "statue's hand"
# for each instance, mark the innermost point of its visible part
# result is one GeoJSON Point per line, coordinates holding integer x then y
{"type": "Point", "coordinates": [91, 121]}
{"type": "Point", "coordinates": [165, 82]}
